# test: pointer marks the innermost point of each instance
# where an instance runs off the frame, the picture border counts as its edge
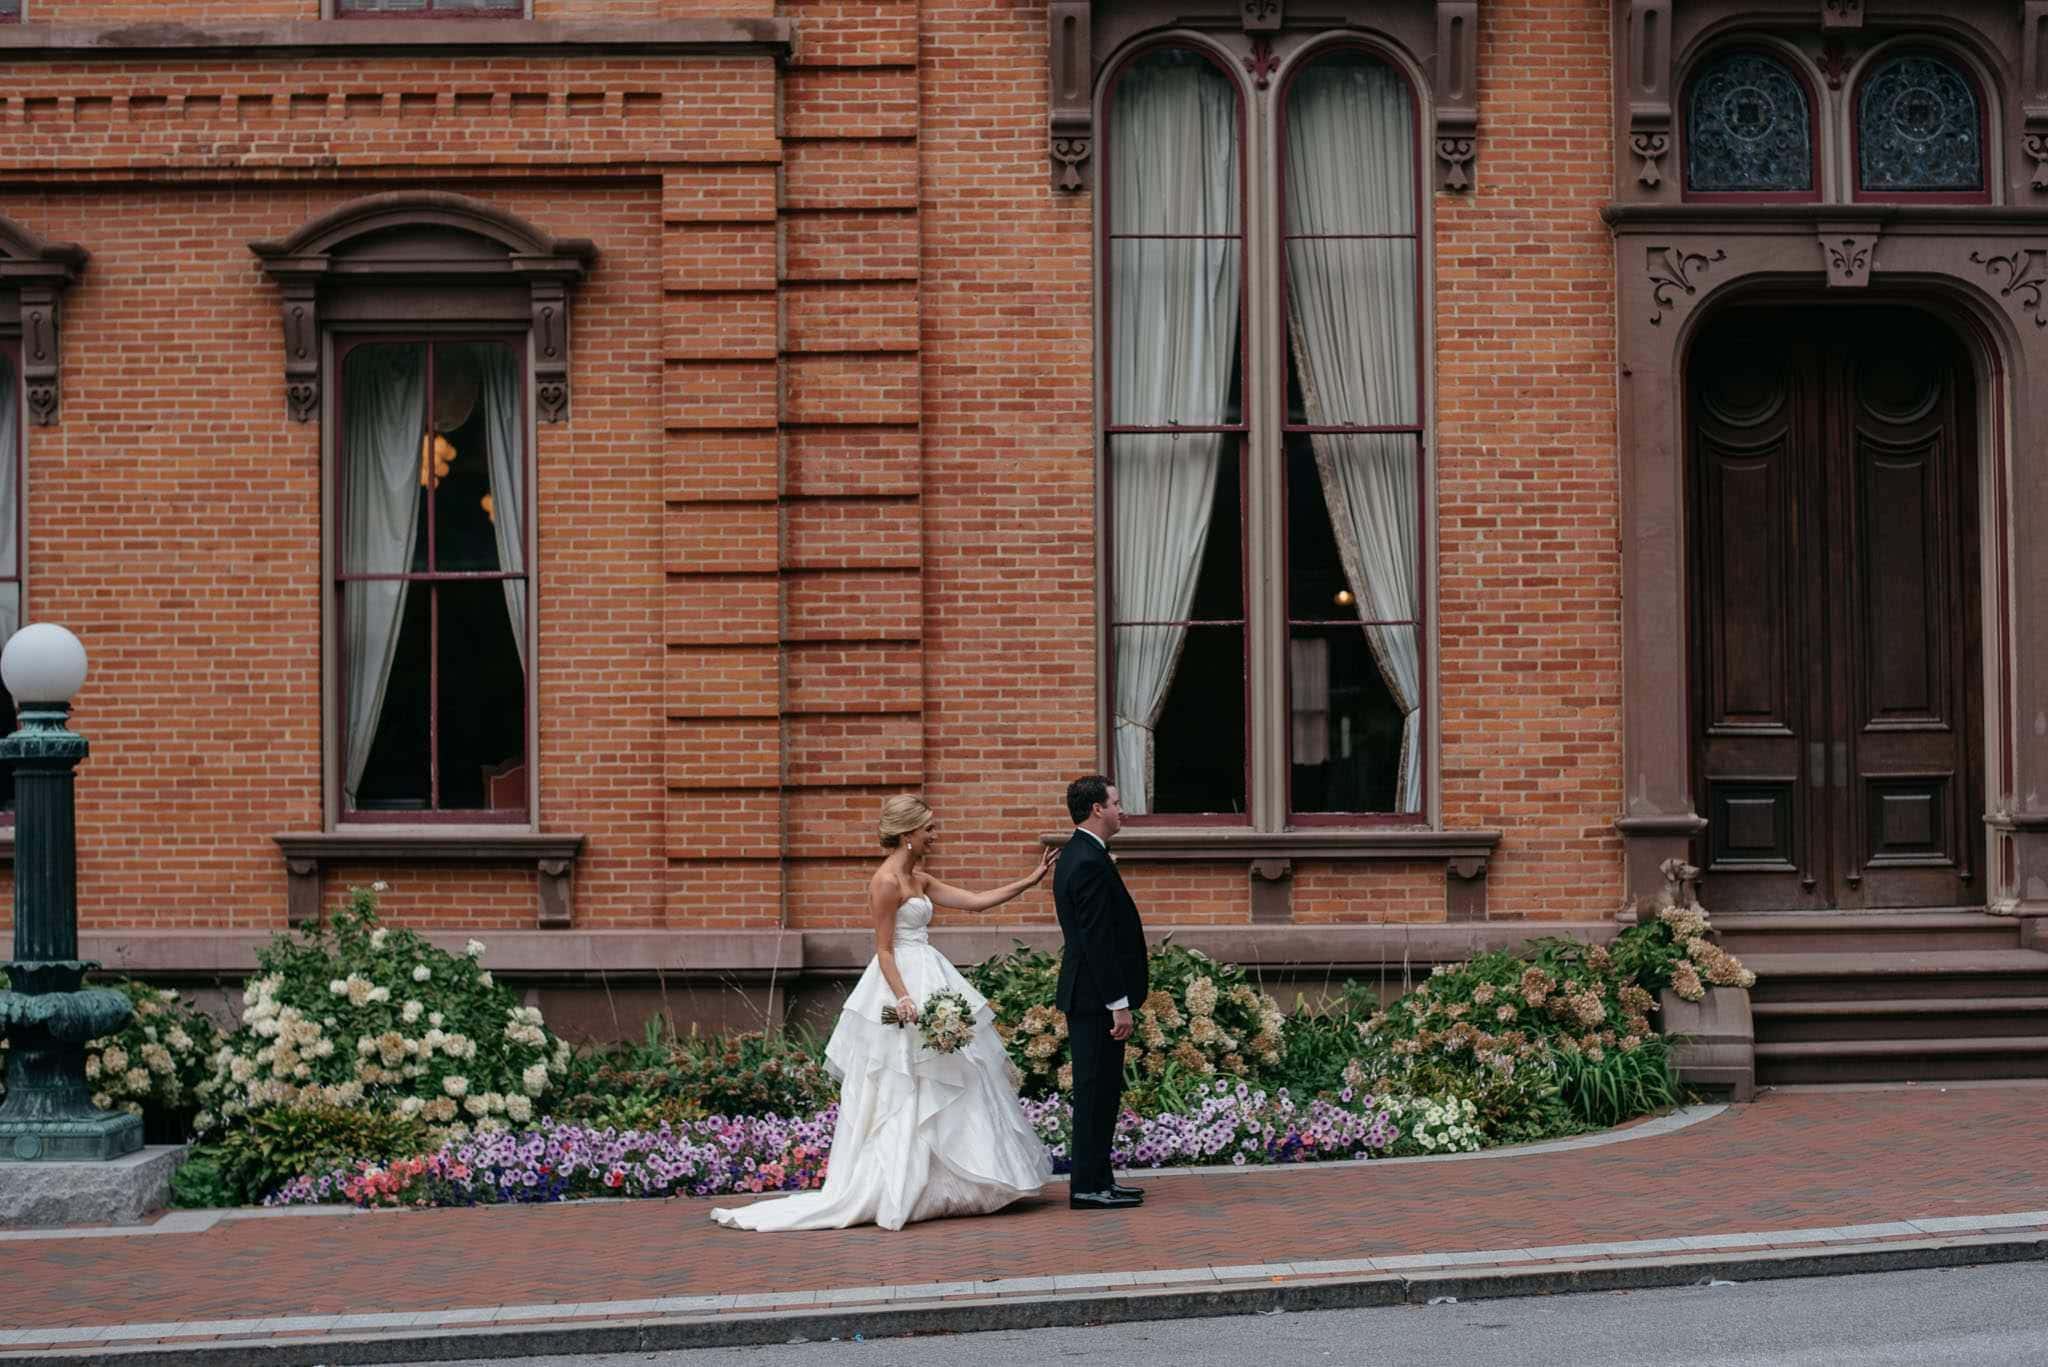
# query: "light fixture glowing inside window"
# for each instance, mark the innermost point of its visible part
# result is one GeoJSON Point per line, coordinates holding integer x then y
{"type": "Point", "coordinates": [1343, 599]}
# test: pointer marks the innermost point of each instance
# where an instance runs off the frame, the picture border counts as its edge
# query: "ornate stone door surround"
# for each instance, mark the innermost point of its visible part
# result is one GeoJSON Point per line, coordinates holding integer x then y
{"type": "Point", "coordinates": [1982, 267]}
{"type": "Point", "coordinates": [1984, 270]}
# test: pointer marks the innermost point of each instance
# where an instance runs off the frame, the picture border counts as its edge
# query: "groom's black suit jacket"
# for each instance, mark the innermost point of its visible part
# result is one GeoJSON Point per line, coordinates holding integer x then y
{"type": "Point", "coordinates": [1105, 951]}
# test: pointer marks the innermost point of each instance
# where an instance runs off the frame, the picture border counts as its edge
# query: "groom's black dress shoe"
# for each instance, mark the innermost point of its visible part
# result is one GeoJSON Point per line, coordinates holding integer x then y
{"type": "Point", "coordinates": [1121, 1190]}
{"type": "Point", "coordinates": [1103, 1200]}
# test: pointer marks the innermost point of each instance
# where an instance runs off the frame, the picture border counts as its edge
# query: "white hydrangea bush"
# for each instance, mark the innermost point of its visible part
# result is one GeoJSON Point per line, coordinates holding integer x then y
{"type": "Point", "coordinates": [372, 1017]}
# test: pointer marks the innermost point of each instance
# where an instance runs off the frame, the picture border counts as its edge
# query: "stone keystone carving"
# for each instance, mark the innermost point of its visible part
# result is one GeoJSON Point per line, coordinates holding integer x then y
{"type": "Point", "coordinates": [1850, 250]}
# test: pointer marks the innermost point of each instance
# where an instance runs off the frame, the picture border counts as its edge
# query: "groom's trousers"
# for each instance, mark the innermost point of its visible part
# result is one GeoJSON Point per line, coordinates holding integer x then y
{"type": "Point", "coordinates": [1098, 1096]}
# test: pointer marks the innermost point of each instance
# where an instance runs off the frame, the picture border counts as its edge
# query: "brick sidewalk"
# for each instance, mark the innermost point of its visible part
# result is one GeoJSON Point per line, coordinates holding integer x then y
{"type": "Point", "coordinates": [1788, 1172]}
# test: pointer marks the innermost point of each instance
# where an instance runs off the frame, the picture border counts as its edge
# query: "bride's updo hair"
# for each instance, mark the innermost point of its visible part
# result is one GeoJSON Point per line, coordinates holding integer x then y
{"type": "Point", "coordinates": [901, 815]}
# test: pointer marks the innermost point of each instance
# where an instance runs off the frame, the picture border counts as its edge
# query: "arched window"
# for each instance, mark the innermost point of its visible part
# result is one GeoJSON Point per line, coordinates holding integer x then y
{"type": "Point", "coordinates": [1352, 438]}
{"type": "Point", "coordinates": [1919, 128]}
{"type": "Point", "coordinates": [1174, 439]}
{"type": "Point", "coordinates": [1748, 127]}
{"type": "Point", "coordinates": [1264, 536]}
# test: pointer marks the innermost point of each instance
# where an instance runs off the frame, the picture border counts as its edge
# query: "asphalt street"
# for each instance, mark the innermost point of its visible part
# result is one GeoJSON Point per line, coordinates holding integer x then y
{"type": "Point", "coordinates": [1979, 1317]}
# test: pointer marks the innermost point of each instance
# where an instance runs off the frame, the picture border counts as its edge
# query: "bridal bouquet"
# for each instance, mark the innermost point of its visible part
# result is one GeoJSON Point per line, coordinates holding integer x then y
{"type": "Point", "coordinates": [945, 1021]}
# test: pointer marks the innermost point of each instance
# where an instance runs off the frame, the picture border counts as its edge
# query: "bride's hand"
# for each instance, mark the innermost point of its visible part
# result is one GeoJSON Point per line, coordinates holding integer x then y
{"type": "Point", "coordinates": [1045, 865]}
{"type": "Point", "coordinates": [906, 1011]}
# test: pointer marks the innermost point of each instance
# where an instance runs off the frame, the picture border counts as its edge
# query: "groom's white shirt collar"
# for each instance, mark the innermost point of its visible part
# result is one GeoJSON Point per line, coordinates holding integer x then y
{"type": "Point", "coordinates": [1092, 836]}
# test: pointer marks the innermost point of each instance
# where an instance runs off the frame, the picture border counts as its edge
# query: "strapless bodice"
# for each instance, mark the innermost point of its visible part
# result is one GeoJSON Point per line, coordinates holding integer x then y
{"type": "Point", "coordinates": [913, 921]}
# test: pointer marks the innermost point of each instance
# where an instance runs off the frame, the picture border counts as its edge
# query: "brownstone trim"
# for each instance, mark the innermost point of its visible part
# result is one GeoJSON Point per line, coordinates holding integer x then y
{"type": "Point", "coordinates": [582, 40]}
{"type": "Point", "coordinates": [726, 956]}
{"type": "Point", "coordinates": [1269, 857]}
{"type": "Point", "coordinates": [318, 260]}
{"type": "Point", "coordinates": [308, 855]}
{"type": "Point", "coordinates": [33, 276]}
{"type": "Point", "coordinates": [1082, 45]}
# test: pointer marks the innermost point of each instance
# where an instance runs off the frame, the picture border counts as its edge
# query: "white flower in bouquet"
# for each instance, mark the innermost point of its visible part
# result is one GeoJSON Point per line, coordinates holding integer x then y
{"type": "Point", "coordinates": [945, 1022]}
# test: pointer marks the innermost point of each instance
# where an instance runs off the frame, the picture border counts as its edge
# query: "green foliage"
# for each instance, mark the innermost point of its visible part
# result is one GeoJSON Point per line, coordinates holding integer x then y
{"type": "Point", "coordinates": [1674, 950]}
{"type": "Point", "coordinates": [362, 1016]}
{"type": "Point", "coordinates": [1617, 1086]}
{"type": "Point", "coordinates": [1021, 987]}
{"type": "Point", "coordinates": [671, 1078]}
{"type": "Point", "coordinates": [278, 1143]}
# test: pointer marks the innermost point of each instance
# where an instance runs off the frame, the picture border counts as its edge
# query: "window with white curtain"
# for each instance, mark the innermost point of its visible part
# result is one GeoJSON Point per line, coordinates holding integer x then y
{"type": "Point", "coordinates": [431, 578]}
{"type": "Point", "coordinates": [1329, 416]}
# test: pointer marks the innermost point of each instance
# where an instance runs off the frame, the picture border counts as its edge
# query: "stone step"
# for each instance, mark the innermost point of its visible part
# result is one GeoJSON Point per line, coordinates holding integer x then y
{"type": "Point", "coordinates": [1899, 1018]}
{"type": "Point", "coordinates": [1884, 931]}
{"type": "Point", "coordinates": [1948, 1058]}
{"type": "Point", "coordinates": [1878, 976]}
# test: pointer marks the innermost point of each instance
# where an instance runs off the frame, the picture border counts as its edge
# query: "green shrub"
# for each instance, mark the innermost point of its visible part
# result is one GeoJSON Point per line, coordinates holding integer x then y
{"type": "Point", "coordinates": [1617, 1086]}
{"type": "Point", "coordinates": [273, 1145]}
{"type": "Point", "coordinates": [1202, 1018]}
{"type": "Point", "coordinates": [677, 1078]}
{"type": "Point", "coordinates": [364, 1017]}
{"type": "Point", "coordinates": [1673, 950]}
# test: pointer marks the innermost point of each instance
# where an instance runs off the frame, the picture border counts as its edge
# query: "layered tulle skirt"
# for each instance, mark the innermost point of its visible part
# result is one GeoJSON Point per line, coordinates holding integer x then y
{"type": "Point", "coordinates": [921, 1134]}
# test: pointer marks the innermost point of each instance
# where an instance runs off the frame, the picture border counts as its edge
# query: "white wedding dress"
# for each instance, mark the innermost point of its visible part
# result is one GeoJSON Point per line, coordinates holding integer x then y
{"type": "Point", "coordinates": [920, 1134]}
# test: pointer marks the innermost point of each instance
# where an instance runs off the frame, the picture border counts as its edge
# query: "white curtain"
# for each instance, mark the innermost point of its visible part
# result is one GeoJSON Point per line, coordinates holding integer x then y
{"type": "Point", "coordinates": [500, 367]}
{"type": "Point", "coordinates": [1352, 324]}
{"type": "Point", "coordinates": [1174, 330]}
{"type": "Point", "coordinates": [383, 422]}
{"type": "Point", "coordinates": [10, 499]}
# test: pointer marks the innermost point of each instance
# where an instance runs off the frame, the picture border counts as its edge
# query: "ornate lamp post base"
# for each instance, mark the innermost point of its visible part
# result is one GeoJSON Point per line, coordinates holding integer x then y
{"type": "Point", "coordinates": [48, 1115]}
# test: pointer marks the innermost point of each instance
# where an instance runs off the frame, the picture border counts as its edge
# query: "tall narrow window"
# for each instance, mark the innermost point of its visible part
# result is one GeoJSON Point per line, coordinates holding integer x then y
{"type": "Point", "coordinates": [1748, 127]}
{"type": "Point", "coordinates": [1175, 438]}
{"type": "Point", "coordinates": [432, 582]}
{"type": "Point", "coordinates": [1919, 128]}
{"type": "Point", "coordinates": [11, 524]}
{"type": "Point", "coordinates": [1352, 438]}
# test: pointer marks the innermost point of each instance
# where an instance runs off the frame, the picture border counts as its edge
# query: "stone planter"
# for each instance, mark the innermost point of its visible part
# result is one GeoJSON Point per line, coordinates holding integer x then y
{"type": "Point", "coordinates": [1713, 1040]}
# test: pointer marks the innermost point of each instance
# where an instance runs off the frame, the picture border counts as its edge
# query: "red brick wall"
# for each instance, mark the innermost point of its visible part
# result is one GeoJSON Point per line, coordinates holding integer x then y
{"type": "Point", "coordinates": [822, 526]}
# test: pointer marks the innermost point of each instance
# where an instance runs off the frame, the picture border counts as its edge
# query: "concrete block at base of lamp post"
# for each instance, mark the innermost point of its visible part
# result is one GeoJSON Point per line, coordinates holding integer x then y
{"type": "Point", "coordinates": [121, 1191]}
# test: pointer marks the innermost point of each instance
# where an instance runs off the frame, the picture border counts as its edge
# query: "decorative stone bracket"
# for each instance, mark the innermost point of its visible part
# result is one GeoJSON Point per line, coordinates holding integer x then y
{"type": "Point", "coordinates": [1457, 92]}
{"type": "Point", "coordinates": [1070, 84]}
{"type": "Point", "coordinates": [1649, 88]}
{"type": "Point", "coordinates": [35, 274]}
{"type": "Point", "coordinates": [552, 857]}
{"type": "Point", "coordinates": [2034, 87]}
{"type": "Point", "coordinates": [443, 241]}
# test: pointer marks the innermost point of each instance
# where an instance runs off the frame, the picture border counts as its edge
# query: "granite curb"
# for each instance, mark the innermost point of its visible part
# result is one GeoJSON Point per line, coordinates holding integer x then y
{"type": "Point", "coordinates": [1266, 1295]}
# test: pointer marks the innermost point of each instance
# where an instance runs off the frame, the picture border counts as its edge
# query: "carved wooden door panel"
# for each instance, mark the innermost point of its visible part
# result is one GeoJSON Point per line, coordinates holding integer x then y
{"type": "Point", "coordinates": [1836, 689]}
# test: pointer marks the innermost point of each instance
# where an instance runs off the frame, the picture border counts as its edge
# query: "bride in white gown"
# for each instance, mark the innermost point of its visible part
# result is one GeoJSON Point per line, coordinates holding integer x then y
{"type": "Point", "coordinates": [920, 1134]}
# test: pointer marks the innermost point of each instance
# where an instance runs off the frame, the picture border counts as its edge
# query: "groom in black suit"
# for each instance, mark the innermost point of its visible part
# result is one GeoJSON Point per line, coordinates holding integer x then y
{"type": "Point", "coordinates": [1103, 977]}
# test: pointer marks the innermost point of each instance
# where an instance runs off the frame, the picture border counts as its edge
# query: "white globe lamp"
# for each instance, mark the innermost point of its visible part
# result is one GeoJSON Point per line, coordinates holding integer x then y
{"type": "Point", "coordinates": [43, 663]}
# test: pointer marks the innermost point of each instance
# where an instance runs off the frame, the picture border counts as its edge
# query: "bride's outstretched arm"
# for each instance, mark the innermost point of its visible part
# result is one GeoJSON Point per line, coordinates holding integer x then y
{"type": "Point", "coordinates": [880, 903]}
{"type": "Point", "coordinates": [960, 899]}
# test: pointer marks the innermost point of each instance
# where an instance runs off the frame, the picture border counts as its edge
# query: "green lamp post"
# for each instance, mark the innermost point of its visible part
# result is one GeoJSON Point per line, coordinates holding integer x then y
{"type": "Point", "coordinates": [47, 1014]}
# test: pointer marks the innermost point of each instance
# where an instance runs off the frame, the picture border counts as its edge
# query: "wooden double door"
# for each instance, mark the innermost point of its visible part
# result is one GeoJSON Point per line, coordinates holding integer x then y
{"type": "Point", "coordinates": [1837, 690]}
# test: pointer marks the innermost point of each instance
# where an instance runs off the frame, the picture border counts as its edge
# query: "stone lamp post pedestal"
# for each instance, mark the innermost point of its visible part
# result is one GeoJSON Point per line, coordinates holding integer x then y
{"type": "Point", "coordinates": [62, 1160]}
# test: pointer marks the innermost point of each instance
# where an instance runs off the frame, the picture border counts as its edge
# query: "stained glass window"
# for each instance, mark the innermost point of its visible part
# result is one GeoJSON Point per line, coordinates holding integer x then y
{"type": "Point", "coordinates": [1748, 126]}
{"type": "Point", "coordinates": [1917, 127]}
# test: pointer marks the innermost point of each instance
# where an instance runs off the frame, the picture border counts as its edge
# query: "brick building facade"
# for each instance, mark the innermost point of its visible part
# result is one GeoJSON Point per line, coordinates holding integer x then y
{"type": "Point", "coordinates": [806, 310]}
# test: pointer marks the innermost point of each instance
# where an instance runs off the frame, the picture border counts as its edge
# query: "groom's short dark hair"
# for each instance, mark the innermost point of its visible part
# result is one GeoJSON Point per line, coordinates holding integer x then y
{"type": "Point", "coordinates": [1083, 793]}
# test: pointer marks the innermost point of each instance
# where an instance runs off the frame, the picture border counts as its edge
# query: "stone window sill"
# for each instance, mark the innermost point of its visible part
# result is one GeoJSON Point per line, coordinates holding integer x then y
{"type": "Point", "coordinates": [308, 856]}
{"type": "Point", "coordinates": [1270, 855]}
